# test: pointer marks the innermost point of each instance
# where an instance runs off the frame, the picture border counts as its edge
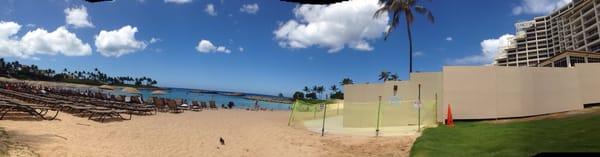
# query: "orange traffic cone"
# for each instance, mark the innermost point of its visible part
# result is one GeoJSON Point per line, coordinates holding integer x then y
{"type": "Point", "coordinates": [449, 120]}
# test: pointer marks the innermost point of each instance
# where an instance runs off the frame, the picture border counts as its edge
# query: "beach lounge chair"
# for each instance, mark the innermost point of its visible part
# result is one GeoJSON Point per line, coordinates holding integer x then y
{"type": "Point", "coordinates": [203, 105]}
{"type": "Point", "coordinates": [173, 107]}
{"type": "Point", "coordinates": [34, 110]}
{"type": "Point", "coordinates": [212, 104]}
{"type": "Point", "coordinates": [181, 104]}
{"type": "Point", "coordinates": [159, 103]}
{"type": "Point", "coordinates": [137, 108]}
{"type": "Point", "coordinates": [195, 106]}
{"type": "Point", "coordinates": [102, 114]}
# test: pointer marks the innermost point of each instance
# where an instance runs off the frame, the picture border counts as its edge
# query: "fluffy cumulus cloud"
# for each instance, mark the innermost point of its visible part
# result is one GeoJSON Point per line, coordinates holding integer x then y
{"type": "Point", "coordinates": [210, 10]}
{"type": "Point", "coordinates": [39, 41]}
{"type": "Point", "coordinates": [539, 6]}
{"type": "Point", "coordinates": [249, 8]}
{"type": "Point", "coordinates": [333, 26]}
{"type": "Point", "coordinates": [449, 39]}
{"type": "Point", "coordinates": [78, 17]}
{"type": "Point", "coordinates": [119, 42]}
{"type": "Point", "coordinates": [205, 46]}
{"type": "Point", "coordinates": [178, 1]}
{"type": "Point", "coordinates": [490, 49]}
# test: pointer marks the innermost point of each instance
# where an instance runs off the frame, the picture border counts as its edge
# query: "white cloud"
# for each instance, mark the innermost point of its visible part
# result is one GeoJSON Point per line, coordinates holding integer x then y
{"type": "Point", "coordinates": [490, 49]}
{"type": "Point", "coordinates": [539, 6]}
{"type": "Point", "coordinates": [119, 42]}
{"type": "Point", "coordinates": [210, 10]}
{"type": "Point", "coordinates": [334, 26]}
{"type": "Point", "coordinates": [78, 17]}
{"type": "Point", "coordinates": [205, 46]}
{"type": "Point", "coordinates": [449, 39]}
{"type": "Point", "coordinates": [59, 41]}
{"type": "Point", "coordinates": [7, 29]}
{"type": "Point", "coordinates": [39, 41]}
{"type": "Point", "coordinates": [154, 40]}
{"type": "Point", "coordinates": [250, 8]}
{"type": "Point", "coordinates": [241, 49]}
{"type": "Point", "coordinates": [178, 1]}
{"type": "Point", "coordinates": [418, 54]}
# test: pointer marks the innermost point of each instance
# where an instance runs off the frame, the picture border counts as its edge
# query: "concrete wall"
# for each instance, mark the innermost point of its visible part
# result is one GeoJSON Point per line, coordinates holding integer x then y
{"type": "Point", "coordinates": [502, 92]}
{"type": "Point", "coordinates": [478, 92]}
{"type": "Point", "coordinates": [589, 82]}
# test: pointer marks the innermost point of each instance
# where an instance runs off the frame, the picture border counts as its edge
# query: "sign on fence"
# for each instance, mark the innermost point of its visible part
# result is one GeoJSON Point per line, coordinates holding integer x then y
{"type": "Point", "coordinates": [417, 104]}
{"type": "Point", "coordinates": [394, 100]}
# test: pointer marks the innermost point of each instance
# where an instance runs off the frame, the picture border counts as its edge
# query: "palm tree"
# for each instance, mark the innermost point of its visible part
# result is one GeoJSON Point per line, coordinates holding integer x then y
{"type": "Point", "coordinates": [334, 88]}
{"type": "Point", "coordinates": [306, 89]}
{"type": "Point", "coordinates": [398, 7]}
{"type": "Point", "coordinates": [346, 81]}
{"type": "Point", "coordinates": [320, 90]}
{"type": "Point", "coordinates": [384, 76]}
{"type": "Point", "coordinates": [393, 77]}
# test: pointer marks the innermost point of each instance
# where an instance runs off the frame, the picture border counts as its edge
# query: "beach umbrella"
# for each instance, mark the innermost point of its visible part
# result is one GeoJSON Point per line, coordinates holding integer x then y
{"type": "Point", "coordinates": [131, 90]}
{"type": "Point", "coordinates": [158, 92]}
{"type": "Point", "coordinates": [107, 87]}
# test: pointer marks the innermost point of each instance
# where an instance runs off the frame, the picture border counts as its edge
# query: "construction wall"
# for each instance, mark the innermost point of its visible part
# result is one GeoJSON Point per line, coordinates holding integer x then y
{"type": "Point", "coordinates": [589, 82]}
{"type": "Point", "coordinates": [475, 92]}
{"type": "Point", "coordinates": [499, 92]}
{"type": "Point", "coordinates": [506, 92]}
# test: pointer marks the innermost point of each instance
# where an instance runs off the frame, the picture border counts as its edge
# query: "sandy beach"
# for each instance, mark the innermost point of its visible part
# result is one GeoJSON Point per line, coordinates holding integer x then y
{"type": "Point", "coordinates": [246, 133]}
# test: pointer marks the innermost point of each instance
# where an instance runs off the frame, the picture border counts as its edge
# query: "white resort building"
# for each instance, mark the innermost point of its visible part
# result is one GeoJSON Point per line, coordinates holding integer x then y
{"type": "Point", "coordinates": [573, 27]}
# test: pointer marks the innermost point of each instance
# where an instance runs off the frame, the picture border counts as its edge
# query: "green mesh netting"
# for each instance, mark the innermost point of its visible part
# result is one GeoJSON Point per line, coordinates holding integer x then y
{"type": "Point", "coordinates": [362, 117]}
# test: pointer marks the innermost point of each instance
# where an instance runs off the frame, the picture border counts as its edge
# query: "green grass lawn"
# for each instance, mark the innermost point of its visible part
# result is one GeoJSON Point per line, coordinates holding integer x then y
{"type": "Point", "coordinates": [578, 133]}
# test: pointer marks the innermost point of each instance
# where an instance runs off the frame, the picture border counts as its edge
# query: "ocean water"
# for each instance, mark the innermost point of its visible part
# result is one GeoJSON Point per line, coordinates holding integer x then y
{"type": "Point", "coordinates": [190, 95]}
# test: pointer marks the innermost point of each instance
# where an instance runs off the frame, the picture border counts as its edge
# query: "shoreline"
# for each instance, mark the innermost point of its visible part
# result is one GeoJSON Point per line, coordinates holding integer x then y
{"type": "Point", "coordinates": [248, 96]}
{"type": "Point", "coordinates": [269, 99]}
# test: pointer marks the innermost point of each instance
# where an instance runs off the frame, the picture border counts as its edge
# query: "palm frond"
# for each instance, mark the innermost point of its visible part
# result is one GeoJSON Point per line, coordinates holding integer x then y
{"type": "Point", "coordinates": [424, 11]}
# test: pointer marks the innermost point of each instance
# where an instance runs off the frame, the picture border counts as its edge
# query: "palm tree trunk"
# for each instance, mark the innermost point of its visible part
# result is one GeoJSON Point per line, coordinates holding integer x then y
{"type": "Point", "coordinates": [410, 46]}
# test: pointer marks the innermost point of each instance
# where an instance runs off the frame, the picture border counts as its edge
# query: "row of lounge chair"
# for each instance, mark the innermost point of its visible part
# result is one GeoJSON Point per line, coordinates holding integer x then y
{"type": "Point", "coordinates": [177, 106]}
{"type": "Point", "coordinates": [8, 105]}
{"type": "Point", "coordinates": [39, 101]}
{"type": "Point", "coordinates": [39, 105]}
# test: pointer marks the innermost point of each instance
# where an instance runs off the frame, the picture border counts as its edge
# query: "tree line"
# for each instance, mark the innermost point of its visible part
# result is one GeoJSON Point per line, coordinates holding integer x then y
{"type": "Point", "coordinates": [96, 77]}
{"type": "Point", "coordinates": [316, 92]}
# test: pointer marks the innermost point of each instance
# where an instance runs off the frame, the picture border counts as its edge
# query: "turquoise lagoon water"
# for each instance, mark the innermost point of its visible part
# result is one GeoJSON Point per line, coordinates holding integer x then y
{"type": "Point", "coordinates": [190, 95]}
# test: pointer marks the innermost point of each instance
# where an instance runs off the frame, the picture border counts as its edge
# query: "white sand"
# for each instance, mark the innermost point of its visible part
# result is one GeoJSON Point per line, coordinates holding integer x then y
{"type": "Point", "coordinates": [246, 133]}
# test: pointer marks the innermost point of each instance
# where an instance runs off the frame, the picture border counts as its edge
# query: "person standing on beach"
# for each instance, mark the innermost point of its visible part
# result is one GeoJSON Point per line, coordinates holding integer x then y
{"type": "Point", "coordinates": [256, 106]}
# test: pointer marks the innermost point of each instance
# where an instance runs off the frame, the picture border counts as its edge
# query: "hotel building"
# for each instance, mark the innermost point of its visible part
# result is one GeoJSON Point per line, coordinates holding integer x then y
{"type": "Point", "coordinates": [572, 28]}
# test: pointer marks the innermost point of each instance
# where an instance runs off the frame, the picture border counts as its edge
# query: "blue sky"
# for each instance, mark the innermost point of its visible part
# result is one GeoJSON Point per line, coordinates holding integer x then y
{"type": "Point", "coordinates": [162, 40]}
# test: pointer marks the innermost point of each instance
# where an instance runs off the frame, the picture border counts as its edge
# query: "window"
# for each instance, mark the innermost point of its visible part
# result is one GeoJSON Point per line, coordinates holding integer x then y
{"type": "Point", "coordinates": [561, 62]}
{"type": "Point", "coordinates": [575, 60]}
{"type": "Point", "coordinates": [593, 60]}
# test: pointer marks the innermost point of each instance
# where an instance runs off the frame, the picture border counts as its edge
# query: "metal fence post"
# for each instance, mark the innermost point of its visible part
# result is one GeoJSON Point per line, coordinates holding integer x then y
{"type": "Point", "coordinates": [419, 107]}
{"type": "Point", "coordinates": [324, 114]}
{"type": "Point", "coordinates": [378, 114]}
